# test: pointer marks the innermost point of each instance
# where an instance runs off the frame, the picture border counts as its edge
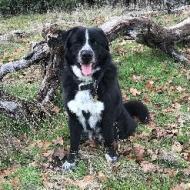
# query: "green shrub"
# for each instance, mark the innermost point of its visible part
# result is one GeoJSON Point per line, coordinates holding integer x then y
{"type": "Point", "coordinates": [12, 7]}
{"type": "Point", "coordinates": [26, 6]}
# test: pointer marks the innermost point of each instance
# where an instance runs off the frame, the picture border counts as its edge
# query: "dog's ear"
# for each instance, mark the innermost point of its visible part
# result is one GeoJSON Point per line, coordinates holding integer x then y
{"type": "Point", "coordinates": [68, 35]}
{"type": "Point", "coordinates": [105, 38]}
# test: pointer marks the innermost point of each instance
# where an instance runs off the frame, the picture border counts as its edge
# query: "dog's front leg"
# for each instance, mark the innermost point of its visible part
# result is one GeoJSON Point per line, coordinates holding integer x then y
{"type": "Point", "coordinates": [108, 134]}
{"type": "Point", "coordinates": [75, 133]}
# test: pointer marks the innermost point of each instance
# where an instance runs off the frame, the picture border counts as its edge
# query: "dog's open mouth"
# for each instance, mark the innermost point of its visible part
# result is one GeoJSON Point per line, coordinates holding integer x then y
{"type": "Point", "coordinates": [86, 69]}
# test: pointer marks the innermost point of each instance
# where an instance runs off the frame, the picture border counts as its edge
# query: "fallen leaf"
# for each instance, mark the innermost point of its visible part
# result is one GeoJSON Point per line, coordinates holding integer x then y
{"type": "Point", "coordinates": [101, 176]}
{"type": "Point", "coordinates": [48, 153]}
{"type": "Point", "coordinates": [59, 153]}
{"type": "Point", "coordinates": [15, 182]}
{"type": "Point", "coordinates": [4, 173]}
{"type": "Point", "coordinates": [46, 144]}
{"type": "Point", "coordinates": [134, 91]}
{"type": "Point", "coordinates": [179, 89]}
{"type": "Point", "coordinates": [153, 155]}
{"type": "Point", "coordinates": [41, 144]}
{"type": "Point", "coordinates": [186, 172]}
{"type": "Point", "coordinates": [158, 133]}
{"type": "Point", "coordinates": [177, 147]}
{"type": "Point", "coordinates": [186, 156]}
{"type": "Point", "coordinates": [139, 152]}
{"type": "Point", "coordinates": [170, 172]}
{"type": "Point", "coordinates": [182, 186]}
{"type": "Point", "coordinates": [90, 143]}
{"type": "Point", "coordinates": [46, 165]}
{"type": "Point", "coordinates": [148, 166]}
{"type": "Point", "coordinates": [85, 182]}
{"type": "Point", "coordinates": [58, 141]}
{"type": "Point", "coordinates": [37, 143]}
{"type": "Point", "coordinates": [56, 109]}
{"type": "Point", "coordinates": [126, 151]}
{"type": "Point", "coordinates": [149, 84]}
{"type": "Point", "coordinates": [176, 105]}
{"type": "Point", "coordinates": [136, 78]}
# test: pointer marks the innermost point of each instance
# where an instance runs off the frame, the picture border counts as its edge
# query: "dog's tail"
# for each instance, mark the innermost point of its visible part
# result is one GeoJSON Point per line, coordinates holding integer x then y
{"type": "Point", "coordinates": [137, 109]}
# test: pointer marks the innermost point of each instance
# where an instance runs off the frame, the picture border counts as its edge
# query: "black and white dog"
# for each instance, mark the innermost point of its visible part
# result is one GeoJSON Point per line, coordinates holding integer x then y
{"type": "Point", "coordinates": [92, 94]}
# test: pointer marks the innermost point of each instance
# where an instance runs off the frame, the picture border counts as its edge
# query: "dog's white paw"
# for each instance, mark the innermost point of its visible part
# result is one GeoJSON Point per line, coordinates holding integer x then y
{"type": "Point", "coordinates": [111, 159]}
{"type": "Point", "coordinates": [68, 166]}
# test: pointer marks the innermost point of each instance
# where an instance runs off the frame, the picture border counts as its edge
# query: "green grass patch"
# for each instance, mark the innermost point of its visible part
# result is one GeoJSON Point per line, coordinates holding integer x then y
{"type": "Point", "coordinates": [25, 177]}
{"type": "Point", "coordinates": [80, 171]}
{"type": "Point", "coordinates": [6, 186]}
{"type": "Point", "coordinates": [30, 178]}
{"type": "Point", "coordinates": [26, 91]}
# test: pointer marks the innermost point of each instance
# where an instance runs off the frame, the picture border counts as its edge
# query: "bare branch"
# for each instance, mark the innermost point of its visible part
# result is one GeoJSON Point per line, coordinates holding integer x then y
{"type": "Point", "coordinates": [40, 52]}
{"type": "Point", "coordinates": [20, 109]}
{"type": "Point", "coordinates": [181, 30]}
{"type": "Point", "coordinates": [147, 32]}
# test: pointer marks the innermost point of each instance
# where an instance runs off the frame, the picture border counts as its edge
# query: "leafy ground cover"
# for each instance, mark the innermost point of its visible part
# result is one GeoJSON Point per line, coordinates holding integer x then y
{"type": "Point", "coordinates": [156, 157]}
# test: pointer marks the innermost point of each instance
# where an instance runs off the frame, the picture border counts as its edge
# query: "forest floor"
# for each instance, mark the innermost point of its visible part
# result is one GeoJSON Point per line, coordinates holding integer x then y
{"type": "Point", "coordinates": [156, 157]}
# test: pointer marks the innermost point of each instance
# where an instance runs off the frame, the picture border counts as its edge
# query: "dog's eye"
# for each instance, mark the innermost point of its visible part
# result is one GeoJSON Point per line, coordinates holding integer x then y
{"type": "Point", "coordinates": [94, 42]}
{"type": "Point", "coordinates": [76, 44]}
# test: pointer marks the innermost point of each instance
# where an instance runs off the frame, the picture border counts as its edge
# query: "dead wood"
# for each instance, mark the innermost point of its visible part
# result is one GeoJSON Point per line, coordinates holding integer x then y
{"type": "Point", "coordinates": [29, 112]}
{"type": "Point", "coordinates": [40, 51]}
{"type": "Point", "coordinates": [147, 32]}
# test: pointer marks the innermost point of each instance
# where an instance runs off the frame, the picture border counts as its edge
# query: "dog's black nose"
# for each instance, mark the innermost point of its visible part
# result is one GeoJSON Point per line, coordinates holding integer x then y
{"type": "Point", "coordinates": [86, 55]}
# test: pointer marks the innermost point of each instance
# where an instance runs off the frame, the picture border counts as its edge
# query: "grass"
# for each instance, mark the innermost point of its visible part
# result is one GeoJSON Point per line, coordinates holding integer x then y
{"type": "Point", "coordinates": [23, 90]}
{"type": "Point", "coordinates": [22, 159]}
{"type": "Point", "coordinates": [25, 178]}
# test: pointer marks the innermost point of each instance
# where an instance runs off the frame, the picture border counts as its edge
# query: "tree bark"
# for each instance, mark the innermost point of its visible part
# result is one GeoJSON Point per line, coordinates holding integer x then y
{"type": "Point", "coordinates": [40, 52]}
{"type": "Point", "coordinates": [148, 33]}
{"type": "Point", "coordinates": [25, 111]}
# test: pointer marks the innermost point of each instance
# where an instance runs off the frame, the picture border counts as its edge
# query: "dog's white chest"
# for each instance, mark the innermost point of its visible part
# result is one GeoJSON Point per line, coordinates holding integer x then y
{"type": "Point", "coordinates": [86, 108]}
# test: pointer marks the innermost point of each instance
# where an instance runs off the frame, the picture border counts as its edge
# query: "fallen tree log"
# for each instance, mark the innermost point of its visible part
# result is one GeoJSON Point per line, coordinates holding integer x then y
{"type": "Point", "coordinates": [142, 30]}
{"type": "Point", "coordinates": [49, 84]}
{"type": "Point", "coordinates": [148, 33]}
{"type": "Point", "coordinates": [29, 112]}
{"type": "Point", "coordinates": [40, 51]}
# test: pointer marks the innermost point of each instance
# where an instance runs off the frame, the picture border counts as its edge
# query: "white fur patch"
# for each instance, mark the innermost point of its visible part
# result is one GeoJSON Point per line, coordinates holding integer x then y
{"type": "Point", "coordinates": [86, 47]}
{"type": "Point", "coordinates": [110, 159]}
{"type": "Point", "coordinates": [84, 101]}
{"type": "Point", "coordinates": [67, 165]}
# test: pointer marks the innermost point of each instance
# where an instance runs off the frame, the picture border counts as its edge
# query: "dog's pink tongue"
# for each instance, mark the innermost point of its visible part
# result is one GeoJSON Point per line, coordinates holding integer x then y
{"type": "Point", "coordinates": [86, 69]}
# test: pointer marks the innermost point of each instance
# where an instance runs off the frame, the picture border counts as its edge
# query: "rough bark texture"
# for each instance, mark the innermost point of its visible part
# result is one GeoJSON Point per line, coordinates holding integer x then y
{"type": "Point", "coordinates": [141, 29]}
{"type": "Point", "coordinates": [49, 84]}
{"type": "Point", "coordinates": [146, 32]}
{"type": "Point", "coordinates": [20, 109]}
{"type": "Point", "coordinates": [40, 51]}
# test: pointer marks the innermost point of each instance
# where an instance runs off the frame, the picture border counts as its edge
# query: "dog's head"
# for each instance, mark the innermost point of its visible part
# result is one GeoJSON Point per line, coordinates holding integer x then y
{"type": "Point", "coordinates": [86, 50]}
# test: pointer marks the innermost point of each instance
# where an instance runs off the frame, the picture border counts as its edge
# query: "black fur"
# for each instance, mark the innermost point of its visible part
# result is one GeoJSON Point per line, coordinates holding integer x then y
{"type": "Point", "coordinates": [117, 118]}
{"type": "Point", "coordinates": [138, 109]}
